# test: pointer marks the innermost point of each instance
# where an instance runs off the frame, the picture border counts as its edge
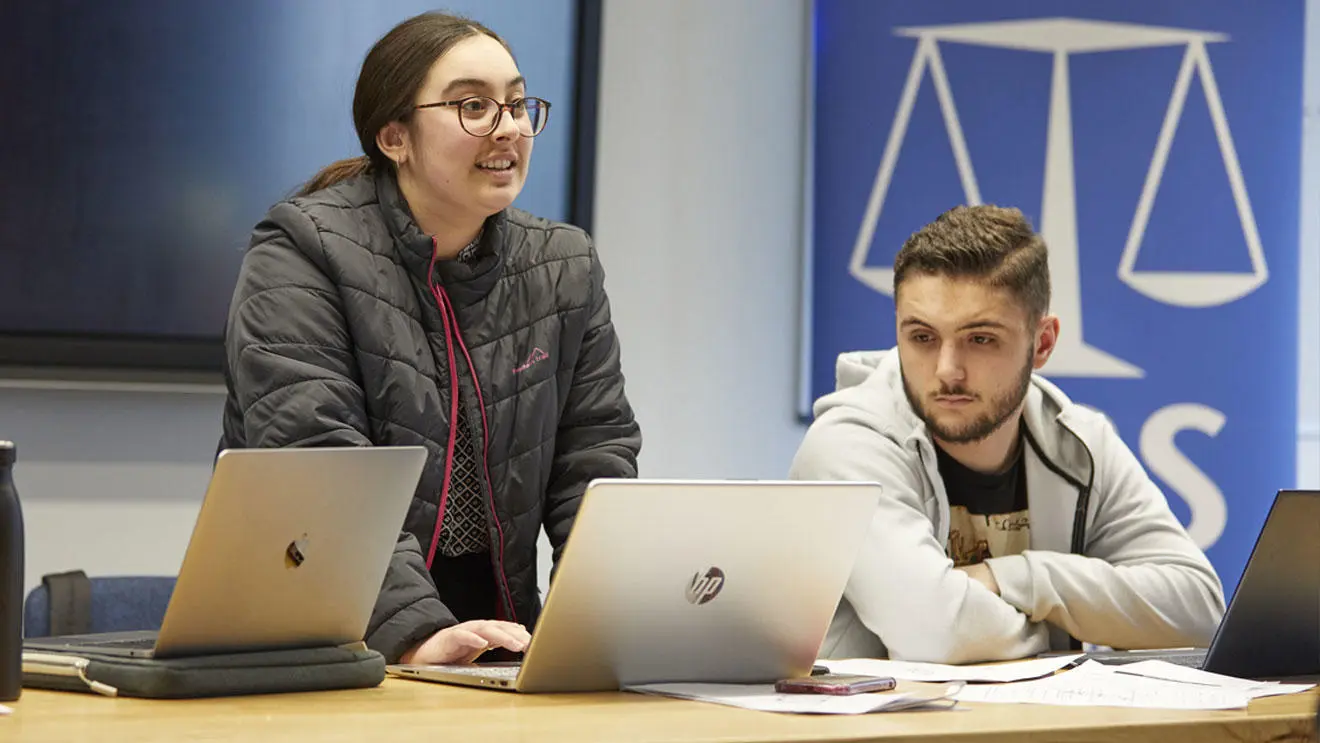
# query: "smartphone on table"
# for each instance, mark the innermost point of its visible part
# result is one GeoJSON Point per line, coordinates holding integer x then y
{"type": "Point", "coordinates": [835, 683]}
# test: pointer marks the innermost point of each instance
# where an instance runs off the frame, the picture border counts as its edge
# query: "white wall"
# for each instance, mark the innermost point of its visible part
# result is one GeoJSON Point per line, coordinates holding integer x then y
{"type": "Point", "coordinates": [1308, 402]}
{"type": "Point", "coordinates": [110, 479]}
{"type": "Point", "coordinates": [698, 223]}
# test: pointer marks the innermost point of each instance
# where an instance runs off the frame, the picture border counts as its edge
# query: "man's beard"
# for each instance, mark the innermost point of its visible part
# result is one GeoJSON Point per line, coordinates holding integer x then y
{"type": "Point", "coordinates": [1001, 409]}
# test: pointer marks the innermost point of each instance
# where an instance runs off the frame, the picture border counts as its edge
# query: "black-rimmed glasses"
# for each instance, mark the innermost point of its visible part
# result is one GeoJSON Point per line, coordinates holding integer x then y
{"type": "Point", "coordinates": [480, 115]}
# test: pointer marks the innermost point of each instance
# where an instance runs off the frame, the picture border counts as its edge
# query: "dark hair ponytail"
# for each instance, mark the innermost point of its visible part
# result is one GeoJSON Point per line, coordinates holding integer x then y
{"type": "Point", "coordinates": [335, 172]}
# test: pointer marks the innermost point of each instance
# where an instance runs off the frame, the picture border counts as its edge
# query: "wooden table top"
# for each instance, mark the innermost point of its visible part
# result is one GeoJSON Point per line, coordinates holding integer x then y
{"type": "Point", "coordinates": [414, 710]}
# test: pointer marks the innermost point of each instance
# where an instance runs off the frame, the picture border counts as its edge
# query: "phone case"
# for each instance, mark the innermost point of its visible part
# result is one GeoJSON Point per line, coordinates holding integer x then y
{"type": "Point", "coordinates": [838, 684]}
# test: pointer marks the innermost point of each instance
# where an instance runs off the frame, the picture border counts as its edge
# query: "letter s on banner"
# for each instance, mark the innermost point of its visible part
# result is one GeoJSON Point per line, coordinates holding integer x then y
{"type": "Point", "coordinates": [1162, 456]}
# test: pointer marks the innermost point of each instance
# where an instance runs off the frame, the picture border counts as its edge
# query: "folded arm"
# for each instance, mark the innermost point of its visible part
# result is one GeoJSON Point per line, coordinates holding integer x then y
{"type": "Point", "coordinates": [1142, 582]}
{"type": "Point", "coordinates": [904, 587]}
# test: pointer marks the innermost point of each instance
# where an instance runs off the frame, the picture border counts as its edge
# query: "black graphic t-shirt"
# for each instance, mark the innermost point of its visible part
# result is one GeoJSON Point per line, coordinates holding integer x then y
{"type": "Point", "coordinates": [987, 513]}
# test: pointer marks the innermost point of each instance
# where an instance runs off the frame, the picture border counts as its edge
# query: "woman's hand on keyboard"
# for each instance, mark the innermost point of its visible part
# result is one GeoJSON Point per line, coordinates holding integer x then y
{"type": "Point", "coordinates": [464, 643]}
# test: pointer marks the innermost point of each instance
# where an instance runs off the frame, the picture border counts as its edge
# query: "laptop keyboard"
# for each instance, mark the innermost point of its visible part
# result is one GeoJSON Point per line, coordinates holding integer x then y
{"type": "Point", "coordinates": [1188, 658]}
{"type": "Point", "coordinates": [132, 643]}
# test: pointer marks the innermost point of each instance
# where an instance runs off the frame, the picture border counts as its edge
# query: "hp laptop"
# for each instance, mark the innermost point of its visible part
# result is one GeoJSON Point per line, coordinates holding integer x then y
{"type": "Point", "coordinates": [696, 581]}
{"type": "Point", "coordinates": [1272, 626]}
{"type": "Point", "coordinates": [289, 550]}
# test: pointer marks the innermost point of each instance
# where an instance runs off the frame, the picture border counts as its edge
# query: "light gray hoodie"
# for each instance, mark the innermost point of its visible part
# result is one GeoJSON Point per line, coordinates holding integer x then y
{"type": "Point", "coordinates": [1138, 580]}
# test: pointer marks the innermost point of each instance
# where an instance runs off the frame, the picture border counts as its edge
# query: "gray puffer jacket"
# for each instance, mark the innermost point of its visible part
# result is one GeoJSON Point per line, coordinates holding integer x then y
{"type": "Point", "coordinates": [336, 337]}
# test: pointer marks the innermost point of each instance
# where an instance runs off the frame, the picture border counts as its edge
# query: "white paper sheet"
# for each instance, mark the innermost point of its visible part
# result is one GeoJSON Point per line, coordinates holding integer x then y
{"type": "Point", "coordinates": [1158, 669]}
{"type": "Point", "coordinates": [5, 710]}
{"type": "Point", "coordinates": [911, 671]}
{"type": "Point", "coordinates": [1095, 685]}
{"type": "Point", "coordinates": [763, 697]}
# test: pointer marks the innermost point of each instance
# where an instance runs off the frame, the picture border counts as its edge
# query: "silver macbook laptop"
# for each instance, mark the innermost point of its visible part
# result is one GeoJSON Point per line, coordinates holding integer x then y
{"type": "Point", "coordinates": [289, 550]}
{"type": "Point", "coordinates": [1272, 626]}
{"type": "Point", "coordinates": [696, 581]}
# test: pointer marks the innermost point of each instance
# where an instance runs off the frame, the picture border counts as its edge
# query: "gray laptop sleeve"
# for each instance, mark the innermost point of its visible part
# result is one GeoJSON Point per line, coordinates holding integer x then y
{"type": "Point", "coordinates": [267, 672]}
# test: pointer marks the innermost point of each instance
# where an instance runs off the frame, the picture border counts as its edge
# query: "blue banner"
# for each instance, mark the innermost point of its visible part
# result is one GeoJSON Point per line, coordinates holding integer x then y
{"type": "Point", "coordinates": [1155, 144]}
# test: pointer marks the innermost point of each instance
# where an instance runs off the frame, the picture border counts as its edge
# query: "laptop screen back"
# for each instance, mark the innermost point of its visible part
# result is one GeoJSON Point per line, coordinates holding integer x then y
{"type": "Point", "coordinates": [720, 581]}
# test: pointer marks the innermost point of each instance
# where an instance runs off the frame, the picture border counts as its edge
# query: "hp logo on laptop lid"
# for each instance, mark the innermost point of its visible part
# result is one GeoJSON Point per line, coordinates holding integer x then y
{"type": "Point", "coordinates": [705, 587]}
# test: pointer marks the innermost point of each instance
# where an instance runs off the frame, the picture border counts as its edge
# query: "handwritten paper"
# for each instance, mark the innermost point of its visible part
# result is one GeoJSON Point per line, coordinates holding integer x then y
{"type": "Point", "coordinates": [1095, 685]}
{"type": "Point", "coordinates": [938, 672]}
{"type": "Point", "coordinates": [764, 698]}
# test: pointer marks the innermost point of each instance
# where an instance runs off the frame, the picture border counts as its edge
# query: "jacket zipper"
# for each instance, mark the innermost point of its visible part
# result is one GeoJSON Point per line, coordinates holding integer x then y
{"type": "Point", "coordinates": [453, 426]}
{"type": "Point", "coordinates": [1078, 545]}
{"type": "Point", "coordinates": [450, 319]}
{"type": "Point", "coordinates": [1083, 498]}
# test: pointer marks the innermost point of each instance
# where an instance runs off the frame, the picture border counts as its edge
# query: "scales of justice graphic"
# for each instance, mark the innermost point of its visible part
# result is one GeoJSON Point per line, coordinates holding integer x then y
{"type": "Point", "coordinates": [1060, 37]}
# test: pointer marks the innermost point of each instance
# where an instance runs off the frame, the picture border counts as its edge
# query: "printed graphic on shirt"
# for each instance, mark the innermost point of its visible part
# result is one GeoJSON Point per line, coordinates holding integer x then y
{"type": "Point", "coordinates": [974, 538]}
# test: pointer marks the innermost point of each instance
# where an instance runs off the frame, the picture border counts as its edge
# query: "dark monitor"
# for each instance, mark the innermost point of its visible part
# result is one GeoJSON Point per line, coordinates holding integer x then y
{"type": "Point", "coordinates": [1272, 626]}
{"type": "Point", "coordinates": [1271, 629]}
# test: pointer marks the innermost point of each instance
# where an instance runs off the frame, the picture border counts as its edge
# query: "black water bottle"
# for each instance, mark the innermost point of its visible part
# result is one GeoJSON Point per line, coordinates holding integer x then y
{"type": "Point", "coordinates": [11, 579]}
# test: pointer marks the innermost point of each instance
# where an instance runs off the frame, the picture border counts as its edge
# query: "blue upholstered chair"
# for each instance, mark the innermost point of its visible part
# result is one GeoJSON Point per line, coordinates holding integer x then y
{"type": "Point", "coordinates": [72, 603]}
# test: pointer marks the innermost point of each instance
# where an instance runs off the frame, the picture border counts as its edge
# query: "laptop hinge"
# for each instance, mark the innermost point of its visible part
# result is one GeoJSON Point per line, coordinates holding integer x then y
{"type": "Point", "coordinates": [70, 596]}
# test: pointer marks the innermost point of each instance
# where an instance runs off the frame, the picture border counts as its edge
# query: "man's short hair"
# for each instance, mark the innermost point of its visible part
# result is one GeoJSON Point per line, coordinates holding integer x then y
{"type": "Point", "coordinates": [990, 244]}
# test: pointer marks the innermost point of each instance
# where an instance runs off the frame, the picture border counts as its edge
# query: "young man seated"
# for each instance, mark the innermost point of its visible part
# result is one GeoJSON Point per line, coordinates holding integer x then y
{"type": "Point", "coordinates": [1012, 518]}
